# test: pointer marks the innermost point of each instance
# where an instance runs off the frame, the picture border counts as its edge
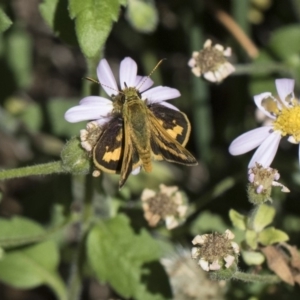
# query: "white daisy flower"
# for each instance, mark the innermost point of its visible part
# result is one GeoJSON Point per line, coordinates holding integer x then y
{"type": "Point", "coordinates": [285, 114]}
{"type": "Point", "coordinates": [99, 109]}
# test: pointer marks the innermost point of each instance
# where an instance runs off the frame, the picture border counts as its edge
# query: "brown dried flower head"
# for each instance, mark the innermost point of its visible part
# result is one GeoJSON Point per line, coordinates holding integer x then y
{"type": "Point", "coordinates": [211, 62]}
{"type": "Point", "coordinates": [168, 204]}
{"type": "Point", "coordinates": [90, 135]}
{"type": "Point", "coordinates": [215, 251]}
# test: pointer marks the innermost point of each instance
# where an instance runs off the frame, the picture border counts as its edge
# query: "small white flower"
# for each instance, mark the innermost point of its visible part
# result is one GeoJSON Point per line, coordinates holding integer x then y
{"type": "Point", "coordinates": [285, 114]}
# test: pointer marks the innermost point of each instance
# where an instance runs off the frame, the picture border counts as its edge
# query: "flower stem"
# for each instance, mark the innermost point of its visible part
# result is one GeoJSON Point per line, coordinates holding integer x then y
{"type": "Point", "coordinates": [256, 278]}
{"type": "Point", "coordinates": [41, 169]}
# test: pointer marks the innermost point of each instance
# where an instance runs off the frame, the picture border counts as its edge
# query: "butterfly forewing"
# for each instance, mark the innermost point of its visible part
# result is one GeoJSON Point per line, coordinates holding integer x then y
{"type": "Point", "coordinates": [166, 138]}
{"type": "Point", "coordinates": [174, 122]}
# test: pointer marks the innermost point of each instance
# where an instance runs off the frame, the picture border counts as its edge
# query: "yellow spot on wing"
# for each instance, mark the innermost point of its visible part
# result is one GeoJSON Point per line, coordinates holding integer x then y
{"type": "Point", "coordinates": [175, 131]}
{"type": "Point", "coordinates": [112, 155]}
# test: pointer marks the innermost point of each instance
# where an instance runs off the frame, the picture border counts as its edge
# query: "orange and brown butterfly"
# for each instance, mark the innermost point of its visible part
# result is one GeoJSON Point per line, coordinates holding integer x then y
{"type": "Point", "coordinates": [136, 126]}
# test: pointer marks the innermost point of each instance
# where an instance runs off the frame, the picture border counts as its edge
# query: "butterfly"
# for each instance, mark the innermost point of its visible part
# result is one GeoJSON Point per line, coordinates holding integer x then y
{"type": "Point", "coordinates": [137, 133]}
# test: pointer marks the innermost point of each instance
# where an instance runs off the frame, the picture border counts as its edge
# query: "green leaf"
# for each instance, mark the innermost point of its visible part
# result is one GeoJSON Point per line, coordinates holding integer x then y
{"type": "Point", "coordinates": [48, 9]}
{"type": "Point", "coordinates": [117, 255]}
{"type": "Point", "coordinates": [238, 220]}
{"type": "Point", "coordinates": [57, 108]}
{"type": "Point", "coordinates": [142, 15]}
{"type": "Point", "coordinates": [208, 222]}
{"type": "Point", "coordinates": [93, 20]}
{"type": "Point", "coordinates": [262, 216]}
{"type": "Point", "coordinates": [280, 42]}
{"type": "Point", "coordinates": [18, 231]}
{"type": "Point", "coordinates": [33, 266]}
{"type": "Point", "coordinates": [19, 56]}
{"type": "Point", "coordinates": [251, 239]}
{"type": "Point", "coordinates": [271, 236]}
{"type": "Point", "coordinates": [5, 21]}
{"type": "Point", "coordinates": [56, 15]}
{"type": "Point", "coordinates": [253, 258]}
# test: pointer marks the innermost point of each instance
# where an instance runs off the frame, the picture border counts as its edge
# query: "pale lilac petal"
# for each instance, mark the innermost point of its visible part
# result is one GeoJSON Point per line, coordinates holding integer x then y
{"type": "Point", "coordinates": [229, 260]}
{"type": "Point", "coordinates": [128, 70]}
{"type": "Point", "coordinates": [160, 93]}
{"type": "Point", "coordinates": [284, 87]}
{"type": "Point", "coordinates": [265, 153]}
{"type": "Point", "coordinates": [249, 140]}
{"type": "Point", "coordinates": [258, 101]}
{"type": "Point", "coordinates": [215, 266]}
{"type": "Point", "coordinates": [106, 78]}
{"type": "Point", "coordinates": [94, 100]}
{"type": "Point", "coordinates": [169, 105]}
{"type": "Point", "coordinates": [136, 171]}
{"type": "Point", "coordinates": [143, 83]}
{"type": "Point", "coordinates": [103, 120]}
{"type": "Point", "coordinates": [87, 112]}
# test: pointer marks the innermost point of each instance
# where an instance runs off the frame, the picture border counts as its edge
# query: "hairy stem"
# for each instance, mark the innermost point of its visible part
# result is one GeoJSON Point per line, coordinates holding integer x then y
{"type": "Point", "coordinates": [41, 169]}
{"type": "Point", "coordinates": [256, 278]}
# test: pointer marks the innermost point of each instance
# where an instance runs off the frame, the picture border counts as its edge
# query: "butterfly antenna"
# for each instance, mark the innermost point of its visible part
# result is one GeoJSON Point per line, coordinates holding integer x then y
{"type": "Point", "coordinates": [157, 65]}
{"type": "Point", "coordinates": [96, 81]}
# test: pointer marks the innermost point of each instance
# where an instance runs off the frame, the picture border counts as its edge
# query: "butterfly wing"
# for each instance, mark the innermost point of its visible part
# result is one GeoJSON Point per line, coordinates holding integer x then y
{"type": "Point", "coordinates": [113, 152]}
{"type": "Point", "coordinates": [174, 122]}
{"type": "Point", "coordinates": [170, 130]}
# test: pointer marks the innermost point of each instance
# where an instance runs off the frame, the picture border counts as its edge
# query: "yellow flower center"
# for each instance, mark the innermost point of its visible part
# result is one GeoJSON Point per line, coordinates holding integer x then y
{"type": "Point", "coordinates": [288, 122]}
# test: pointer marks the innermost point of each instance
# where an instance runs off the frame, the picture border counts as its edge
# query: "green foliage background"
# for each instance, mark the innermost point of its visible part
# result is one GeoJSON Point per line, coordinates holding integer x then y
{"type": "Point", "coordinates": [62, 235]}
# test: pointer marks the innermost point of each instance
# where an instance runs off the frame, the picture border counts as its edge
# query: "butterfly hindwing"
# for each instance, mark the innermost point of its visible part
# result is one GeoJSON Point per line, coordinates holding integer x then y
{"type": "Point", "coordinates": [114, 152]}
{"type": "Point", "coordinates": [109, 148]}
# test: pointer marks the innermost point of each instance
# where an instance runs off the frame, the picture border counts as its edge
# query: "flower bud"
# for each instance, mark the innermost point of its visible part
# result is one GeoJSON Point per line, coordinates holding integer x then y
{"type": "Point", "coordinates": [74, 158]}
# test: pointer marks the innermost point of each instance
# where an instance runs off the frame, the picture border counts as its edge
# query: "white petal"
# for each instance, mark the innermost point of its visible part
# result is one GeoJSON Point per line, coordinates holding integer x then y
{"type": "Point", "coordinates": [258, 101]}
{"type": "Point", "coordinates": [210, 76]}
{"type": "Point", "coordinates": [284, 189]}
{"type": "Point", "coordinates": [215, 266]}
{"type": "Point", "coordinates": [169, 105]}
{"type": "Point", "coordinates": [249, 140]}
{"type": "Point", "coordinates": [106, 78]}
{"type": "Point", "coordinates": [171, 222]}
{"type": "Point", "coordinates": [136, 171]}
{"type": "Point", "coordinates": [203, 264]}
{"type": "Point", "coordinates": [87, 112]}
{"type": "Point", "coordinates": [94, 100]}
{"type": "Point", "coordinates": [229, 234]}
{"type": "Point", "coordinates": [103, 120]}
{"type": "Point", "coordinates": [160, 93]}
{"type": "Point", "coordinates": [284, 87]}
{"type": "Point", "coordinates": [265, 153]}
{"type": "Point", "coordinates": [194, 252]}
{"type": "Point", "coordinates": [143, 83]}
{"type": "Point", "coordinates": [199, 239]}
{"type": "Point", "coordinates": [292, 140]}
{"type": "Point", "coordinates": [128, 70]}
{"type": "Point", "coordinates": [229, 260]}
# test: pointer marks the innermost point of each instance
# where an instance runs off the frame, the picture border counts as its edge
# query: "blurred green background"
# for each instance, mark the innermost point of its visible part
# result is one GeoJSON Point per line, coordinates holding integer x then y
{"type": "Point", "coordinates": [42, 70]}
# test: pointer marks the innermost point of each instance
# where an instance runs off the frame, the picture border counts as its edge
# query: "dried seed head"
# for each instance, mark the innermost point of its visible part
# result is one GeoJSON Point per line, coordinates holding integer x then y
{"type": "Point", "coordinates": [211, 62]}
{"type": "Point", "coordinates": [168, 204]}
{"type": "Point", "coordinates": [215, 251]}
{"type": "Point", "coordinates": [90, 135]}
